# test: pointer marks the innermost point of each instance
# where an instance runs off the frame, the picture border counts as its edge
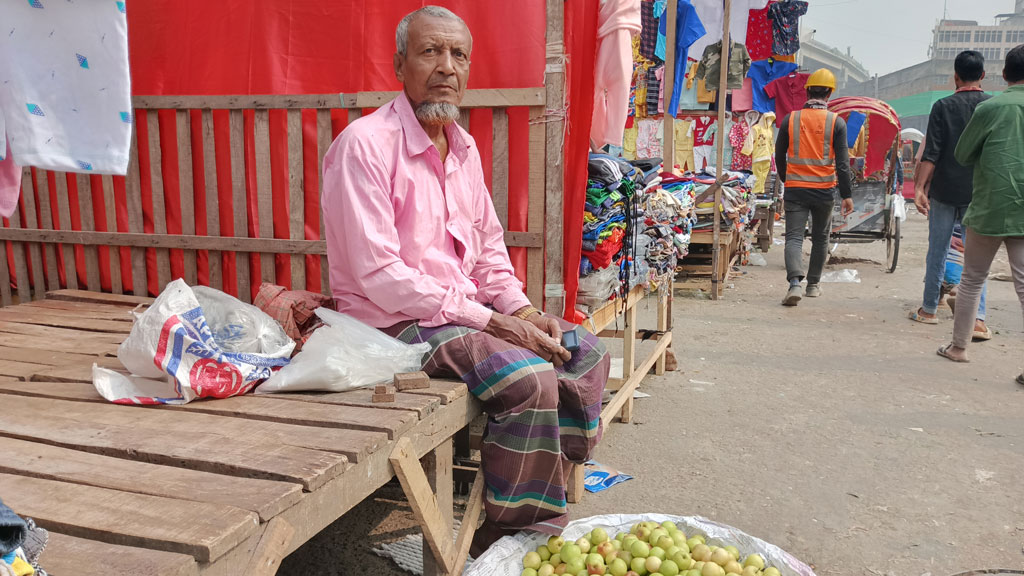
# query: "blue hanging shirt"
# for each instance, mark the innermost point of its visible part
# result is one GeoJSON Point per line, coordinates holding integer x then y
{"type": "Point", "coordinates": [761, 74]}
{"type": "Point", "coordinates": [689, 29]}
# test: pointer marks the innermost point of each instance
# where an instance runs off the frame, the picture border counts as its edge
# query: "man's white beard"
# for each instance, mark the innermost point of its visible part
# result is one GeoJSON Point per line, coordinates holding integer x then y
{"type": "Point", "coordinates": [437, 113]}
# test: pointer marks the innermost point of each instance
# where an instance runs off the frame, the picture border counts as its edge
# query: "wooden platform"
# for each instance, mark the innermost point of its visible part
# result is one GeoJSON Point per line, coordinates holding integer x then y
{"type": "Point", "coordinates": [218, 487]}
{"type": "Point", "coordinates": [696, 272]}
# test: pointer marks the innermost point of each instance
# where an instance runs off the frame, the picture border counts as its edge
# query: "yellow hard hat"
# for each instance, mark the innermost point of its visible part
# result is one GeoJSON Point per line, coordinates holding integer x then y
{"type": "Point", "coordinates": [822, 78]}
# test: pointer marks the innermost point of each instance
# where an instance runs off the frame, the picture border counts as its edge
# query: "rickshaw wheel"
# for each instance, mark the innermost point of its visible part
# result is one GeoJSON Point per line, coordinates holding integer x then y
{"type": "Point", "coordinates": [892, 244]}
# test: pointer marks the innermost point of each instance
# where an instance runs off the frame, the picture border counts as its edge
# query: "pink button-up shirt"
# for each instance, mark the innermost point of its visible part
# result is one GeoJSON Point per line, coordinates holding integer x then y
{"type": "Point", "coordinates": [410, 237]}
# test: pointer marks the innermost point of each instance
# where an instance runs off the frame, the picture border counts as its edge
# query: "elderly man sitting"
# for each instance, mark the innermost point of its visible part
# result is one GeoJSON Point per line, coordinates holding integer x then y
{"type": "Point", "coordinates": [416, 249]}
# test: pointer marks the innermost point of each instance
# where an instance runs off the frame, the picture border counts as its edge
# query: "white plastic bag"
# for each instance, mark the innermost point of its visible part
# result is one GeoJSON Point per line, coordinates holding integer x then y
{"type": "Point", "coordinates": [345, 354]}
{"type": "Point", "coordinates": [174, 352]}
{"type": "Point", "coordinates": [844, 276]}
{"type": "Point", "coordinates": [505, 557]}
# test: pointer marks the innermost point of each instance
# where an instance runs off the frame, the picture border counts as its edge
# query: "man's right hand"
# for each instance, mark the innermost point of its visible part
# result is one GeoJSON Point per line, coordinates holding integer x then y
{"type": "Point", "coordinates": [525, 334]}
{"type": "Point", "coordinates": [922, 202]}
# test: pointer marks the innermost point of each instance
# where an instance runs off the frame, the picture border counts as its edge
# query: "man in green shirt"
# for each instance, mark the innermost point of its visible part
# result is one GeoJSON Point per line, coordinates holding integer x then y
{"type": "Point", "coordinates": [993, 143]}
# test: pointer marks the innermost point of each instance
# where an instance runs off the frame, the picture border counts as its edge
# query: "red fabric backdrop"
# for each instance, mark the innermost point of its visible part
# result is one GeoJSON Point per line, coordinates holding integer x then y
{"type": "Point", "coordinates": [193, 47]}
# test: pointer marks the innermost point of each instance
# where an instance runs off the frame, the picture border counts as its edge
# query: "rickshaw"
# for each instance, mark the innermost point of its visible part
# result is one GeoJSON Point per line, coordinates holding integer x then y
{"type": "Point", "coordinates": [878, 208]}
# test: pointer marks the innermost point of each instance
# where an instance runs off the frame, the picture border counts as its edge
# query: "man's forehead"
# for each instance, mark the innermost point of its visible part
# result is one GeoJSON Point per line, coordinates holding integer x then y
{"type": "Point", "coordinates": [425, 28]}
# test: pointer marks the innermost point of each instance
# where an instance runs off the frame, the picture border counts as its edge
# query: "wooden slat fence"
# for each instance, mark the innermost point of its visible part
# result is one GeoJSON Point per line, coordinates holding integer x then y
{"type": "Point", "coordinates": [46, 246]}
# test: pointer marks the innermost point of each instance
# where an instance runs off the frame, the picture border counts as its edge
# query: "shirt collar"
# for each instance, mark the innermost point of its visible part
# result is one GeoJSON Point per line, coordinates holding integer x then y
{"type": "Point", "coordinates": [817, 104]}
{"type": "Point", "coordinates": [416, 139]}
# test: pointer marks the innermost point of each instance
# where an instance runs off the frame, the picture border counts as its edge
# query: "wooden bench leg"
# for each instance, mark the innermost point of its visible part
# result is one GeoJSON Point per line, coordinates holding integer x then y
{"type": "Point", "coordinates": [574, 483]}
{"type": "Point", "coordinates": [269, 553]}
{"type": "Point", "coordinates": [628, 360]}
{"type": "Point", "coordinates": [659, 366]}
{"type": "Point", "coordinates": [430, 496]}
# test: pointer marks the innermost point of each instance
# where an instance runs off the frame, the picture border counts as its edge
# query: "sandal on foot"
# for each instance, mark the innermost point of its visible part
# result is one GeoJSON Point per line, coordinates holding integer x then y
{"type": "Point", "coordinates": [1020, 379]}
{"type": "Point", "coordinates": [982, 336]}
{"type": "Point", "coordinates": [917, 317]}
{"type": "Point", "coordinates": [944, 352]}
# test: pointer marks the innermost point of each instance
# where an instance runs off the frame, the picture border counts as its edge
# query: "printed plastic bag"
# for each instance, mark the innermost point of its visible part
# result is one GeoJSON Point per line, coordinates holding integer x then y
{"type": "Point", "coordinates": [345, 354]}
{"type": "Point", "coordinates": [194, 343]}
{"type": "Point", "coordinates": [505, 557]}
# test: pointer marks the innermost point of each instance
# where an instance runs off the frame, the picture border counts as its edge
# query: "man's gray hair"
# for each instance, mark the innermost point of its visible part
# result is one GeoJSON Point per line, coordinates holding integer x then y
{"type": "Point", "coordinates": [402, 32]}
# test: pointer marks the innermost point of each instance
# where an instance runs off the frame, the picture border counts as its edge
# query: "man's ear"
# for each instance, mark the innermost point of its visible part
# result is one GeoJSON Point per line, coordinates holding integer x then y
{"type": "Point", "coordinates": [983, 73]}
{"type": "Point", "coordinates": [399, 62]}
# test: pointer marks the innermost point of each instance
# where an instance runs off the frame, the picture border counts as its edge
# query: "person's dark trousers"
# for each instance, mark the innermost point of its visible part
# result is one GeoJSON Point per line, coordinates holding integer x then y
{"type": "Point", "coordinates": [797, 212]}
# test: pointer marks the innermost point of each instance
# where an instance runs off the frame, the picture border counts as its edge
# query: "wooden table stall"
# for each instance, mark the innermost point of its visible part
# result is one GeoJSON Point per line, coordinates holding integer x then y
{"type": "Point", "coordinates": [211, 487]}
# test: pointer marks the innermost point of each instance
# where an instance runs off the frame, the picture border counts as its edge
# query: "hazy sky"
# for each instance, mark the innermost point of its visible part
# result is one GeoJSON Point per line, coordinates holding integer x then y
{"type": "Point", "coordinates": [886, 35]}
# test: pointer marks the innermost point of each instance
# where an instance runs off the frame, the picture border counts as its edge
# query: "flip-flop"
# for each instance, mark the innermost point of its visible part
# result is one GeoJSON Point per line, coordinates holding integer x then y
{"type": "Point", "coordinates": [944, 352]}
{"type": "Point", "coordinates": [916, 317]}
{"type": "Point", "coordinates": [982, 336]}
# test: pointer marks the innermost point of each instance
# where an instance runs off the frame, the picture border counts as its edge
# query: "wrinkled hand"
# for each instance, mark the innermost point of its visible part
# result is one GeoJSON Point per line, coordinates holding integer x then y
{"type": "Point", "coordinates": [527, 334]}
{"type": "Point", "coordinates": [922, 202]}
{"type": "Point", "coordinates": [847, 207]}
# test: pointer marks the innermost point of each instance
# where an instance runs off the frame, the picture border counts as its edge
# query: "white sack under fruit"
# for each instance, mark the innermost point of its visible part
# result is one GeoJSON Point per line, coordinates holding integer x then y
{"type": "Point", "coordinates": [345, 354]}
{"type": "Point", "coordinates": [194, 343]}
{"type": "Point", "coordinates": [505, 557]}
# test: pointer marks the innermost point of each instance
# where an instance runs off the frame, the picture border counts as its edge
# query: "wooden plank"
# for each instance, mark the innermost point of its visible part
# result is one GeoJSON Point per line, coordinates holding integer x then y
{"type": "Point", "coordinates": [74, 345]}
{"type": "Point", "coordinates": [133, 197]}
{"type": "Point", "coordinates": [164, 241]}
{"type": "Point", "coordinates": [447, 391]}
{"type": "Point", "coordinates": [110, 209]}
{"type": "Point", "coordinates": [629, 343]}
{"type": "Point", "coordinates": [58, 333]}
{"type": "Point", "coordinates": [614, 408]}
{"type": "Point", "coordinates": [81, 557]}
{"type": "Point", "coordinates": [64, 218]}
{"type": "Point", "coordinates": [163, 258]}
{"type": "Point", "coordinates": [264, 192]}
{"type": "Point", "coordinates": [46, 223]}
{"type": "Point", "coordinates": [470, 518]}
{"type": "Point", "coordinates": [20, 370]}
{"type": "Point", "coordinates": [98, 298]}
{"type": "Point", "coordinates": [28, 195]}
{"type": "Point", "coordinates": [79, 310]}
{"type": "Point", "coordinates": [436, 532]}
{"type": "Point", "coordinates": [608, 314]}
{"type": "Point", "coordinates": [160, 437]}
{"type": "Point", "coordinates": [239, 203]}
{"type": "Point", "coordinates": [87, 219]}
{"type": "Point", "coordinates": [353, 444]}
{"type": "Point", "coordinates": [212, 199]}
{"type": "Point", "coordinates": [204, 531]}
{"type": "Point", "coordinates": [554, 137]}
{"type": "Point", "coordinates": [18, 314]}
{"type": "Point", "coordinates": [438, 466]}
{"type": "Point", "coordinates": [535, 208]}
{"type": "Point", "coordinates": [323, 143]}
{"type": "Point", "coordinates": [296, 196]}
{"type": "Point", "coordinates": [80, 372]}
{"type": "Point", "coordinates": [46, 357]}
{"type": "Point", "coordinates": [6, 298]}
{"type": "Point", "coordinates": [478, 98]}
{"type": "Point", "coordinates": [20, 263]}
{"type": "Point", "coordinates": [265, 498]}
{"type": "Point", "coordinates": [463, 120]}
{"type": "Point", "coordinates": [499, 165]}
{"type": "Point", "coordinates": [186, 189]}
{"type": "Point", "coordinates": [574, 484]}
{"type": "Point", "coordinates": [391, 422]}
{"type": "Point", "coordinates": [663, 298]}
{"type": "Point", "coordinates": [271, 549]}
{"type": "Point", "coordinates": [421, 405]}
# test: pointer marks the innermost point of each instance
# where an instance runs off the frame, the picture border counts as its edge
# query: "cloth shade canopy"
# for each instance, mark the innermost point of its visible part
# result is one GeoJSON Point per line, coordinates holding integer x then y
{"type": "Point", "coordinates": [883, 127]}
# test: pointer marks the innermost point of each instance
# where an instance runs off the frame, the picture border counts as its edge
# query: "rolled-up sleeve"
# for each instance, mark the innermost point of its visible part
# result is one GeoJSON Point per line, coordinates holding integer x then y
{"type": "Point", "coordinates": [359, 219]}
{"type": "Point", "coordinates": [493, 272]}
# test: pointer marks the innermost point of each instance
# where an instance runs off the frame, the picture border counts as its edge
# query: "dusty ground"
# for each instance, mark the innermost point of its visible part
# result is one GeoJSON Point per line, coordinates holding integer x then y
{"type": "Point", "coordinates": [832, 430]}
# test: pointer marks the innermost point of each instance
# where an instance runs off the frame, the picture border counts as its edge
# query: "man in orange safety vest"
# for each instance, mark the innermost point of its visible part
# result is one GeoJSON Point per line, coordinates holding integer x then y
{"type": "Point", "coordinates": [813, 160]}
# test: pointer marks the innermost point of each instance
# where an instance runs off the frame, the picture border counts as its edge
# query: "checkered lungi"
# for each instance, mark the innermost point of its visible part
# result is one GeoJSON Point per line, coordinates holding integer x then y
{"type": "Point", "coordinates": [536, 414]}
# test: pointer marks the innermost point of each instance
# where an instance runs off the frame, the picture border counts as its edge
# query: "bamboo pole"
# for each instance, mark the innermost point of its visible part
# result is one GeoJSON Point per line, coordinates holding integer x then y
{"type": "Point", "coordinates": [723, 86]}
{"type": "Point", "coordinates": [668, 152]}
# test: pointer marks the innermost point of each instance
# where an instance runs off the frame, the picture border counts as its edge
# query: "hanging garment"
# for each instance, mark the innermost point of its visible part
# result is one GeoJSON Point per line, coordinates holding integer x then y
{"type": "Point", "coordinates": [761, 170]}
{"type": "Point", "coordinates": [683, 139]}
{"type": "Point", "coordinates": [629, 143]}
{"type": "Point", "coordinates": [743, 99]}
{"type": "Point", "coordinates": [659, 13]}
{"type": "Point", "coordinates": [660, 76]}
{"type": "Point", "coordinates": [710, 68]}
{"type": "Point", "coordinates": [704, 152]}
{"type": "Point", "coordinates": [713, 16]}
{"type": "Point", "coordinates": [785, 17]}
{"type": "Point", "coordinates": [761, 74]}
{"type": "Point", "coordinates": [619, 15]}
{"type": "Point", "coordinates": [763, 138]}
{"type": "Point", "coordinates": [689, 29]}
{"type": "Point", "coordinates": [688, 96]}
{"type": "Point", "coordinates": [649, 31]}
{"type": "Point", "coordinates": [10, 183]}
{"type": "Point", "coordinates": [704, 95]}
{"type": "Point", "coordinates": [653, 90]}
{"type": "Point", "coordinates": [648, 143]}
{"type": "Point", "coordinates": [65, 101]}
{"type": "Point", "coordinates": [759, 34]}
{"type": "Point", "coordinates": [737, 136]}
{"type": "Point", "coordinates": [789, 93]}
{"type": "Point", "coordinates": [611, 87]}
{"type": "Point", "coordinates": [727, 141]}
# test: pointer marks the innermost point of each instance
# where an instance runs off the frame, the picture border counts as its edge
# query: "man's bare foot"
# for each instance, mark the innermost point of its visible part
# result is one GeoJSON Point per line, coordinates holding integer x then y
{"type": "Point", "coordinates": [953, 353]}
